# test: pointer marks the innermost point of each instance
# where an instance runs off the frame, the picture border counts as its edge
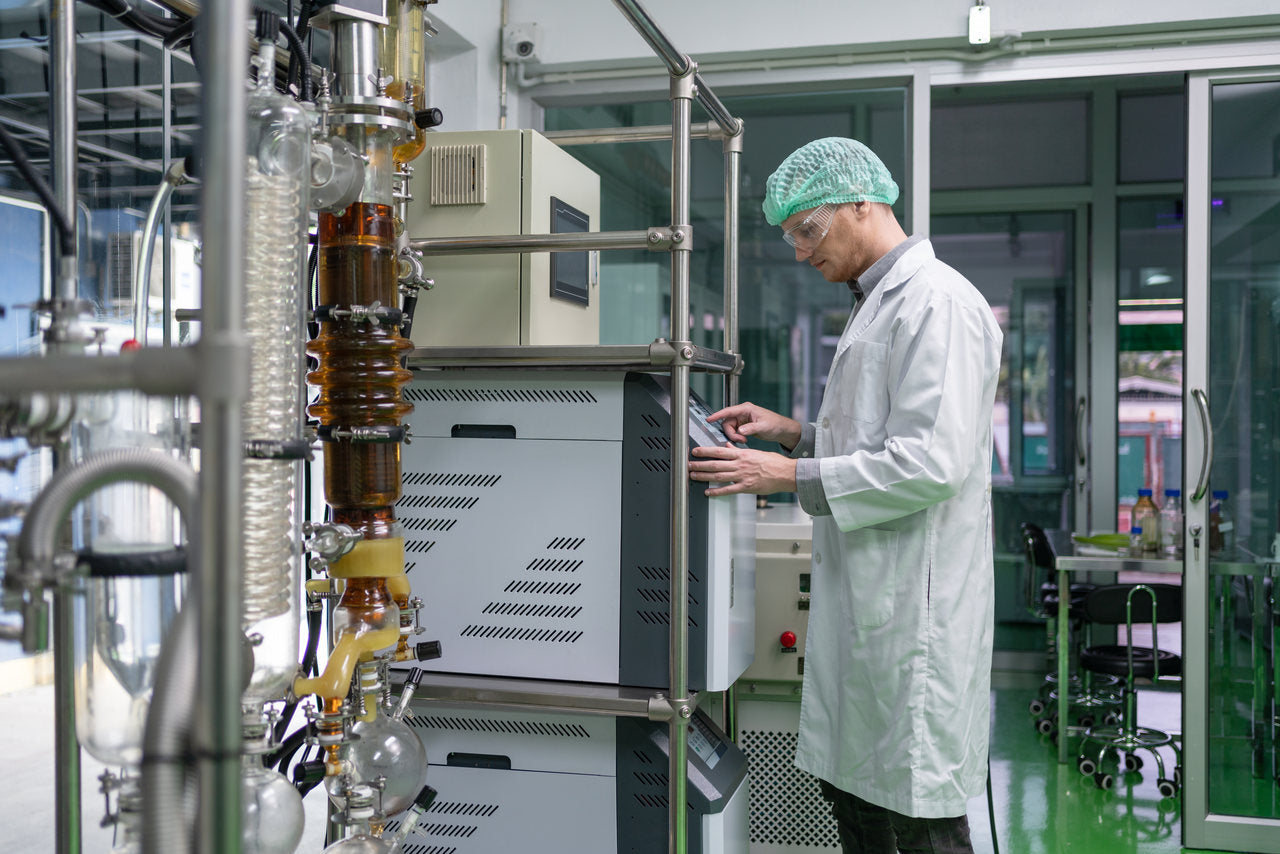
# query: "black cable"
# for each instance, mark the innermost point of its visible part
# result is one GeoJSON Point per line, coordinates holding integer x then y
{"type": "Point", "coordinates": [301, 29]}
{"type": "Point", "coordinates": [136, 19]}
{"type": "Point", "coordinates": [991, 809]}
{"type": "Point", "coordinates": [66, 231]}
{"type": "Point", "coordinates": [182, 35]}
{"type": "Point", "coordinates": [299, 50]}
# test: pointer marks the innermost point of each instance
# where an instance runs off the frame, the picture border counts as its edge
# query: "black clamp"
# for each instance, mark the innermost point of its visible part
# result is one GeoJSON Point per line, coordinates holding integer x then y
{"type": "Point", "coordinates": [427, 651]}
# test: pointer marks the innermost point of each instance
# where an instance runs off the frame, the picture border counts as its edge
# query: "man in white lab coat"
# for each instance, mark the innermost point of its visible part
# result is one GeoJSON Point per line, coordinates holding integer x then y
{"type": "Point", "coordinates": [896, 472]}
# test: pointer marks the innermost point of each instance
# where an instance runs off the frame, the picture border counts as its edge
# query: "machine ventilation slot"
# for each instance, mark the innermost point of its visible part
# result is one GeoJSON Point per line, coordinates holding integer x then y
{"type": "Point", "coordinates": [663, 574]}
{"type": "Point", "coordinates": [642, 756]}
{"type": "Point", "coordinates": [650, 778]}
{"type": "Point", "coordinates": [661, 618]}
{"type": "Point", "coordinates": [462, 830]}
{"type": "Point", "coordinates": [650, 420]}
{"type": "Point", "coordinates": [429, 524]}
{"type": "Point", "coordinates": [656, 443]}
{"type": "Point", "coordinates": [550, 565]}
{"type": "Point", "coordinates": [515, 609]}
{"type": "Point", "coordinates": [567, 543]}
{"type": "Point", "coordinates": [449, 502]}
{"type": "Point", "coordinates": [661, 597]}
{"type": "Point", "coordinates": [661, 466]}
{"type": "Point", "coordinates": [500, 395]}
{"type": "Point", "coordinates": [550, 588]}
{"type": "Point", "coordinates": [518, 634]}
{"type": "Point", "coordinates": [450, 479]}
{"type": "Point", "coordinates": [787, 808]}
{"type": "Point", "coordinates": [428, 849]}
{"type": "Point", "coordinates": [655, 801]}
{"type": "Point", "coordinates": [458, 174]}
{"type": "Point", "coordinates": [458, 808]}
{"type": "Point", "coordinates": [409, 565]}
{"type": "Point", "coordinates": [510, 727]}
{"type": "Point", "coordinates": [420, 547]}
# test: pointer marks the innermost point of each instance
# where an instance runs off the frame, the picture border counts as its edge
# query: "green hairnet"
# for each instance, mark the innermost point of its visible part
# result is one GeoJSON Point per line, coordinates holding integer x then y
{"type": "Point", "coordinates": [829, 170]}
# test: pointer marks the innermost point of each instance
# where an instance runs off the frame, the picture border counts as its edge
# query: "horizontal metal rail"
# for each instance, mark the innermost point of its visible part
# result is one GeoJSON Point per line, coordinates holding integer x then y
{"type": "Point", "coordinates": [655, 239]}
{"type": "Point", "coordinates": [643, 133]}
{"type": "Point", "coordinates": [658, 356]}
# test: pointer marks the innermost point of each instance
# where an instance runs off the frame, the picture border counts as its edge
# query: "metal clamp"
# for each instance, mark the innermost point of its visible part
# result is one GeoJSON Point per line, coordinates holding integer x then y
{"type": "Point", "coordinates": [668, 238]}
{"type": "Point", "coordinates": [330, 541]}
{"type": "Point", "coordinates": [374, 314]}
{"type": "Point", "coordinates": [384, 434]}
{"type": "Point", "coordinates": [664, 708]}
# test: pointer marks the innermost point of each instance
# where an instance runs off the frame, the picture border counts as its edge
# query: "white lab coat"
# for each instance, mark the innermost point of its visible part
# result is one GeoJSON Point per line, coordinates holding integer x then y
{"type": "Point", "coordinates": [897, 668]}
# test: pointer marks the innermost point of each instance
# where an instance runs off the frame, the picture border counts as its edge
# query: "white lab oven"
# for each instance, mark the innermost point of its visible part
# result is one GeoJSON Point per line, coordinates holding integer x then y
{"type": "Point", "coordinates": [502, 183]}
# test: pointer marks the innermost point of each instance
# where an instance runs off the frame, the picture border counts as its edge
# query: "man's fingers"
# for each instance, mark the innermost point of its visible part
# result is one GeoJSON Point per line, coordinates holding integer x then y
{"type": "Point", "coordinates": [718, 452]}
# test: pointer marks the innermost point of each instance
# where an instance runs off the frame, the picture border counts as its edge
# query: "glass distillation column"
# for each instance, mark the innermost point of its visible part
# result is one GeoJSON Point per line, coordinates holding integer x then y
{"type": "Point", "coordinates": [277, 178]}
{"type": "Point", "coordinates": [359, 380]}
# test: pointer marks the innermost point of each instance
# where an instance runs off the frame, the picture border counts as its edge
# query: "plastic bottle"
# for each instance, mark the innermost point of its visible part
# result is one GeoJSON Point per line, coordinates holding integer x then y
{"type": "Point", "coordinates": [1147, 517]}
{"type": "Point", "coordinates": [1171, 523]}
{"type": "Point", "coordinates": [1222, 529]}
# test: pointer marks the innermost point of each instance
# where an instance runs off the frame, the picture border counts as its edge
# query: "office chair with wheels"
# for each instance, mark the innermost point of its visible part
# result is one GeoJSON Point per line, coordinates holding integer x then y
{"type": "Point", "coordinates": [1127, 605]}
{"type": "Point", "coordinates": [1092, 699]}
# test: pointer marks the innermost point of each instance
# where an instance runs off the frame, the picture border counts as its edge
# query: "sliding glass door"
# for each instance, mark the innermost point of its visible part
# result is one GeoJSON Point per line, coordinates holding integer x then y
{"type": "Point", "coordinates": [1232, 463]}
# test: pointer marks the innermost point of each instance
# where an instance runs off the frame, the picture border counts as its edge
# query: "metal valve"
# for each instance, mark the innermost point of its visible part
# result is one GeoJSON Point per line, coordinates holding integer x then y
{"type": "Point", "coordinates": [329, 541]}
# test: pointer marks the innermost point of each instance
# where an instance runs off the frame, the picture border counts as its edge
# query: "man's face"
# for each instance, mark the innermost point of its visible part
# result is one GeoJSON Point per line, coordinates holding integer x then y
{"type": "Point", "coordinates": [836, 253]}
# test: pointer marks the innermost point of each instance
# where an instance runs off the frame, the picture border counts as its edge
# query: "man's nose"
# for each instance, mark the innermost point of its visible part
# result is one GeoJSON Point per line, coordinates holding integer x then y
{"type": "Point", "coordinates": [802, 251]}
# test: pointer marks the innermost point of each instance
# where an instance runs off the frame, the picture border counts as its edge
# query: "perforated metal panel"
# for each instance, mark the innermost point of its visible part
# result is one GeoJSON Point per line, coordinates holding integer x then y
{"type": "Point", "coordinates": [458, 175]}
{"type": "Point", "coordinates": [788, 814]}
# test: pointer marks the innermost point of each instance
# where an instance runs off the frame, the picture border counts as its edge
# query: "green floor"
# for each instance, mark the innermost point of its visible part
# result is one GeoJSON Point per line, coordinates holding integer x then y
{"type": "Point", "coordinates": [1044, 807]}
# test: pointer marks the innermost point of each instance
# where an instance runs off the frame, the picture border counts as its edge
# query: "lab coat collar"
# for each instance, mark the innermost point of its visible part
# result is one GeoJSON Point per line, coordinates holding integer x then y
{"type": "Point", "coordinates": [915, 257]}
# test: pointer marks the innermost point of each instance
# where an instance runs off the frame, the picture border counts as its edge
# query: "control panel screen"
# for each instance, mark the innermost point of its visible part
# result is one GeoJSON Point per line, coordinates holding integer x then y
{"type": "Point", "coordinates": [570, 271]}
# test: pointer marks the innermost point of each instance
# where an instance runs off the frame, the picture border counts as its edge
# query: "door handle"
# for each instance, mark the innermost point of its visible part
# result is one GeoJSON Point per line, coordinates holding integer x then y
{"type": "Point", "coordinates": [1081, 409]}
{"type": "Point", "coordinates": [1206, 462]}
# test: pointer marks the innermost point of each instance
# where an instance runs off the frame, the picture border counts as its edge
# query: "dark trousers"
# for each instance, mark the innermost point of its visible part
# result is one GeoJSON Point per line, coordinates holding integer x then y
{"type": "Point", "coordinates": [869, 829]}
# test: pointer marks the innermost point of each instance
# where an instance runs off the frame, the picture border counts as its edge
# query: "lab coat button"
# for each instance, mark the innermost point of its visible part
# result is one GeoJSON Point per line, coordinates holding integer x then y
{"type": "Point", "coordinates": [826, 423]}
{"type": "Point", "coordinates": [817, 557]}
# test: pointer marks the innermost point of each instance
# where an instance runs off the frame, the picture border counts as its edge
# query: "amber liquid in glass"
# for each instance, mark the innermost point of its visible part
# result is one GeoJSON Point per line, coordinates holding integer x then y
{"type": "Point", "coordinates": [359, 373]}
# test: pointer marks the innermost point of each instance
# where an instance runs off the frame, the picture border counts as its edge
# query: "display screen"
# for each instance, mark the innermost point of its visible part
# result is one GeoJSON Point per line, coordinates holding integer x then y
{"type": "Point", "coordinates": [570, 271]}
{"type": "Point", "coordinates": [704, 744]}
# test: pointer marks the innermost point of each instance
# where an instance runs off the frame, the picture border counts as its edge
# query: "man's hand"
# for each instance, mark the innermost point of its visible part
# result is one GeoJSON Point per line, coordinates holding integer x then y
{"type": "Point", "coordinates": [743, 470]}
{"type": "Point", "coordinates": [747, 419]}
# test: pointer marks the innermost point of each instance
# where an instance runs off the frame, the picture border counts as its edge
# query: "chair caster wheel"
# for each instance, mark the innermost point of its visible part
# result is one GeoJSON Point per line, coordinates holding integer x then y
{"type": "Point", "coordinates": [1086, 721]}
{"type": "Point", "coordinates": [1132, 762]}
{"type": "Point", "coordinates": [1086, 766]}
{"type": "Point", "coordinates": [1036, 707]}
{"type": "Point", "coordinates": [1044, 726]}
{"type": "Point", "coordinates": [1111, 719]}
{"type": "Point", "coordinates": [1177, 776]}
{"type": "Point", "coordinates": [1167, 788]}
{"type": "Point", "coordinates": [1104, 780]}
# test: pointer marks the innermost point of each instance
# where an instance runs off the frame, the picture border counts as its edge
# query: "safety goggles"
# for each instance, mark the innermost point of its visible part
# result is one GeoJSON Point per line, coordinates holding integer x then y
{"type": "Point", "coordinates": [810, 231]}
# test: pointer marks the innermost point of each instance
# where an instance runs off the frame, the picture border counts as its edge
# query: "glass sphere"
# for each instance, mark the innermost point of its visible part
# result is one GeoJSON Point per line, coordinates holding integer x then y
{"type": "Point", "coordinates": [388, 748]}
{"type": "Point", "coordinates": [361, 843]}
{"type": "Point", "coordinates": [273, 816]}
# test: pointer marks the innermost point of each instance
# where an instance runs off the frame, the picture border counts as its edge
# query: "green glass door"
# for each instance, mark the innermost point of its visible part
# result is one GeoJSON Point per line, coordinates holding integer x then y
{"type": "Point", "coordinates": [1233, 463]}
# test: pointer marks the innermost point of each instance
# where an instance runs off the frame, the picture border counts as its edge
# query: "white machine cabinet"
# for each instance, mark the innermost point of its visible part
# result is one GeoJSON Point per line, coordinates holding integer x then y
{"type": "Point", "coordinates": [536, 510]}
{"type": "Point", "coordinates": [505, 182]}
{"type": "Point", "coordinates": [556, 782]}
{"type": "Point", "coordinates": [788, 814]}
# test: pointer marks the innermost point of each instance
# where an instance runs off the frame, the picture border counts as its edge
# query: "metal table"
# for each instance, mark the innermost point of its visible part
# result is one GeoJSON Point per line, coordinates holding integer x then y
{"type": "Point", "coordinates": [1069, 558]}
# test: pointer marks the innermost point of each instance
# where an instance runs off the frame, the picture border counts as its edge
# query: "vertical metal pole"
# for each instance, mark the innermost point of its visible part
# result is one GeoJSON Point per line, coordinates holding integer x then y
{"type": "Point", "coordinates": [66, 752]}
{"type": "Point", "coordinates": [918, 112]}
{"type": "Point", "coordinates": [681, 102]}
{"type": "Point", "coordinates": [732, 168]}
{"type": "Point", "coordinates": [166, 246]}
{"type": "Point", "coordinates": [217, 590]}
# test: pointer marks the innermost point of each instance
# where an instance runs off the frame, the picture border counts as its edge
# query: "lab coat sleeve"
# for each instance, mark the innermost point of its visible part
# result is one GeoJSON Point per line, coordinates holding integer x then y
{"type": "Point", "coordinates": [937, 376]}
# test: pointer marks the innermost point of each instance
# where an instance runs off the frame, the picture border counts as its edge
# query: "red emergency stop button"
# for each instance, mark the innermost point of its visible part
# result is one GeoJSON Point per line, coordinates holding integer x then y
{"type": "Point", "coordinates": [788, 640]}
